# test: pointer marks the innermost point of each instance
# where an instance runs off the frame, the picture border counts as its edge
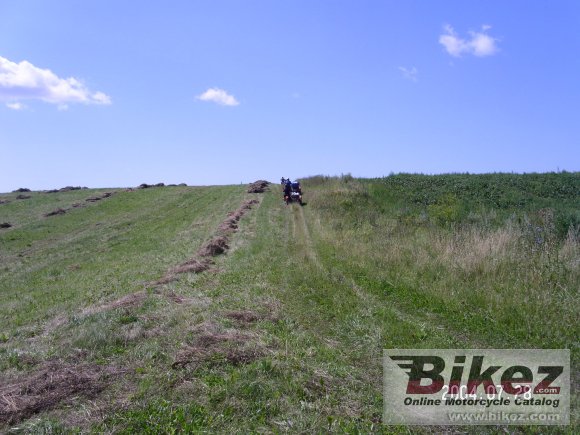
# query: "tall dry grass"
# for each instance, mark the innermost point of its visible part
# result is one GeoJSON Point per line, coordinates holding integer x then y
{"type": "Point", "coordinates": [513, 284]}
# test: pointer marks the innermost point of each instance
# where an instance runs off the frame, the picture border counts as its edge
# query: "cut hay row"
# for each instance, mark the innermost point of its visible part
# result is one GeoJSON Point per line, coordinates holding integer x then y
{"type": "Point", "coordinates": [54, 382]}
{"type": "Point", "coordinates": [60, 211]}
{"type": "Point", "coordinates": [60, 382]}
{"type": "Point", "coordinates": [217, 245]}
{"type": "Point", "coordinates": [201, 262]}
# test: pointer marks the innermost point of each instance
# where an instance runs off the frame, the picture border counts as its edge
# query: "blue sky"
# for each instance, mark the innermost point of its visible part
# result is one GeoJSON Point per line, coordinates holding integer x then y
{"type": "Point", "coordinates": [106, 93]}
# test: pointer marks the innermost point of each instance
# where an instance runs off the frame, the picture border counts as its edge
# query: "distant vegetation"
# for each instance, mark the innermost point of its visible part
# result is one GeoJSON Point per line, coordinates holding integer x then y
{"type": "Point", "coordinates": [464, 198]}
{"type": "Point", "coordinates": [457, 198]}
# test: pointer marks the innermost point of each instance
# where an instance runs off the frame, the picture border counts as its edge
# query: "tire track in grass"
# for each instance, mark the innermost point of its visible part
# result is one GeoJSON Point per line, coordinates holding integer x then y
{"type": "Point", "coordinates": [302, 234]}
{"type": "Point", "coordinates": [348, 322]}
{"type": "Point", "coordinates": [358, 334]}
{"type": "Point", "coordinates": [305, 240]}
{"type": "Point", "coordinates": [369, 301]}
{"type": "Point", "coordinates": [369, 318]}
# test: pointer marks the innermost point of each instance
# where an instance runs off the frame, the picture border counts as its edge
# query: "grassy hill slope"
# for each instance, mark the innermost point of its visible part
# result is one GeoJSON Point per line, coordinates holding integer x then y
{"type": "Point", "coordinates": [285, 331]}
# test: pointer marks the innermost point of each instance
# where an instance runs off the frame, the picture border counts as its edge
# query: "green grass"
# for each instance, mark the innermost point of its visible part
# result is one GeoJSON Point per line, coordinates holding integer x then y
{"type": "Point", "coordinates": [406, 261]}
{"type": "Point", "coordinates": [510, 280]}
{"type": "Point", "coordinates": [99, 252]}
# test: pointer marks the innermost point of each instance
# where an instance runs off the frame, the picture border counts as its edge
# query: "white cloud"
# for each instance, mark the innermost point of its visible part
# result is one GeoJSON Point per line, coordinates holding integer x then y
{"type": "Point", "coordinates": [409, 73]}
{"type": "Point", "coordinates": [16, 106]}
{"type": "Point", "coordinates": [479, 44]}
{"type": "Point", "coordinates": [483, 45]}
{"type": "Point", "coordinates": [101, 98]}
{"type": "Point", "coordinates": [24, 81]}
{"type": "Point", "coordinates": [218, 96]}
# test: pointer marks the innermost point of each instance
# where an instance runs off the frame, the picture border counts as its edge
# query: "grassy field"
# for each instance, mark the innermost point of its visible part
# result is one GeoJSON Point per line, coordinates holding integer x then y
{"type": "Point", "coordinates": [283, 333]}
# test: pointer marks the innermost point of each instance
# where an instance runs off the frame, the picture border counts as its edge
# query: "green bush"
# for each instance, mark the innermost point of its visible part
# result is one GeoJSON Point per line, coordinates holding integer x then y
{"type": "Point", "coordinates": [446, 210]}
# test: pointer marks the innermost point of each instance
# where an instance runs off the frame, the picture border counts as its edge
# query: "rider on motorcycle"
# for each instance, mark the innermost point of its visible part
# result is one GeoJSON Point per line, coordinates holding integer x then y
{"type": "Point", "coordinates": [287, 188]}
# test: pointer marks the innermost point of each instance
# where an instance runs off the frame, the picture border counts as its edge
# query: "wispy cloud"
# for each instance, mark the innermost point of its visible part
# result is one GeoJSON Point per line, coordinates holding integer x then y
{"type": "Point", "coordinates": [16, 106]}
{"type": "Point", "coordinates": [478, 44]}
{"type": "Point", "coordinates": [218, 96]}
{"type": "Point", "coordinates": [24, 81]}
{"type": "Point", "coordinates": [409, 73]}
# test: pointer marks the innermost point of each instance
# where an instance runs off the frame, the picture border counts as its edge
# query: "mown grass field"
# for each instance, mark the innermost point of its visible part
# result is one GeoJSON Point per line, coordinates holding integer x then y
{"type": "Point", "coordinates": [285, 331]}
